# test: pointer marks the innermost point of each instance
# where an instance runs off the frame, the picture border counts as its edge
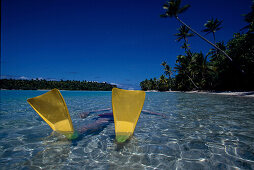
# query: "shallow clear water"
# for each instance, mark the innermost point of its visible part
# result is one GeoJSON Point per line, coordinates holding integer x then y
{"type": "Point", "coordinates": [200, 131]}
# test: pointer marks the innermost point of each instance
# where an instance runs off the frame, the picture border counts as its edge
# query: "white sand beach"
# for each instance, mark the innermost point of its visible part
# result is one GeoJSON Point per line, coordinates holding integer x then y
{"type": "Point", "coordinates": [229, 93]}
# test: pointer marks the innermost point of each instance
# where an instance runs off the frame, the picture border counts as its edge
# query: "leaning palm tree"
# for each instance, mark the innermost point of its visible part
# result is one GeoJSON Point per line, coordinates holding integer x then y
{"type": "Point", "coordinates": [211, 26]}
{"type": "Point", "coordinates": [173, 9]}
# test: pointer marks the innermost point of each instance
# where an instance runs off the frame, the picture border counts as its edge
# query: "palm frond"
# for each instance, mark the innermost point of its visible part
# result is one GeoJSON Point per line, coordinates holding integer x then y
{"type": "Point", "coordinates": [212, 25]}
{"type": "Point", "coordinates": [183, 9]}
{"type": "Point", "coordinates": [183, 33]}
{"type": "Point", "coordinates": [178, 3]}
{"type": "Point", "coordinates": [173, 8]}
{"type": "Point", "coordinates": [163, 16]}
{"type": "Point", "coordinates": [165, 6]}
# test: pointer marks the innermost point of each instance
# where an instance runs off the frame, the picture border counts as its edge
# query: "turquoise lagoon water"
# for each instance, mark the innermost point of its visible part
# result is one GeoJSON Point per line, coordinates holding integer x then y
{"type": "Point", "coordinates": [200, 131]}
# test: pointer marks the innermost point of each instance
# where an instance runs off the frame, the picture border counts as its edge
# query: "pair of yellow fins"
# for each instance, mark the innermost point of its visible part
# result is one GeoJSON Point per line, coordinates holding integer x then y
{"type": "Point", "coordinates": [126, 104]}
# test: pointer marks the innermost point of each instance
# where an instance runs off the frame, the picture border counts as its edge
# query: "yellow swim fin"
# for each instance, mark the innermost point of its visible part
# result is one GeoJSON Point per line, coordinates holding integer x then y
{"type": "Point", "coordinates": [53, 110]}
{"type": "Point", "coordinates": [127, 106]}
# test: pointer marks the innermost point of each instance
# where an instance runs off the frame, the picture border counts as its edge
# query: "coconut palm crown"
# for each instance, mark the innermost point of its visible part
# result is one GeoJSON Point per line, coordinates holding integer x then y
{"type": "Point", "coordinates": [173, 8]}
{"type": "Point", "coordinates": [211, 26]}
{"type": "Point", "coordinates": [183, 34]}
{"type": "Point", "coordinates": [250, 19]}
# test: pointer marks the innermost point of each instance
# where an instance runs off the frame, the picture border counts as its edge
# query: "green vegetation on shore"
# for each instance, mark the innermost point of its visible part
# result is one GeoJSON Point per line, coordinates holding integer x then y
{"type": "Point", "coordinates": [227, 66]}
{"type": "Point", "coordinates": [61, 85]}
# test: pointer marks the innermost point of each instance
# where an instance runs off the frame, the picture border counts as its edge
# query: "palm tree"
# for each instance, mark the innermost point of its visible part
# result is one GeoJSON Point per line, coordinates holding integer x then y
{"type": "Point", "coordinates": [183, 68]}
{"type": "Point", "coordinates": [163, 83]}
{"type": "Point", "coordinates": [214, 52]}
{"type": "Point", "coordinates": [183, 34]}
{"type": "Point", "coordinates": [153, 84]}
{"type": "Point", "coordinates": [144, 85]}
{"type": "Point", "coordinates": [185, 46]}
{"type": "Point", "coordinates": [167, 70]}
{"type": "Point", "coordinates": [212, 26]}
{"type": "Point", "coordinates": [200, 70]}
{"type": "Point", "coordinates": [250, 19]}
{"type": "Point", "coordinates": [173, 9]}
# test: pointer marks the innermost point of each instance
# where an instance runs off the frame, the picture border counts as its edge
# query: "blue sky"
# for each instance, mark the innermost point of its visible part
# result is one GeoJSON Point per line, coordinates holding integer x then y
{"type": "Point", "coordinates": [116, 41]}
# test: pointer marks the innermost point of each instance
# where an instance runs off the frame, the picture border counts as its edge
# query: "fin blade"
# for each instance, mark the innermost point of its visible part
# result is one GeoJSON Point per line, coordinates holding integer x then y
{"type": "Point", "coordinates": [53, 110]}
{"type": "Point", "coordinates": [127, 106]}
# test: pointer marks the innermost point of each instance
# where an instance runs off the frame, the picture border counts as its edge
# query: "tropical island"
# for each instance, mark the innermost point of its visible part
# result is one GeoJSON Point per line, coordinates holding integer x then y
{"type": "Point", "coordinates": [36, 84]}
{"type": "Point", "coordinates": [227, 66]}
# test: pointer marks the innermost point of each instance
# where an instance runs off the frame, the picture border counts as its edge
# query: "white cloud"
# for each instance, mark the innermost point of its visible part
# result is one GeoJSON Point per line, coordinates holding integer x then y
{"type": "Point", "coordinates": [23, 78]}
{"type": "Point", "coordinates": [125, 86]}
{"type": "Point", "coordinates": [131, 88]}
{"type": "Point", "coordinates": [115, 84]}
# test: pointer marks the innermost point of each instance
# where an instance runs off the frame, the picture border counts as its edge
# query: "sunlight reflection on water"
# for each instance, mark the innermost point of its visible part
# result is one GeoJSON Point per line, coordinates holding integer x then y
{"type": "Point", "coordinates": [200, 131]}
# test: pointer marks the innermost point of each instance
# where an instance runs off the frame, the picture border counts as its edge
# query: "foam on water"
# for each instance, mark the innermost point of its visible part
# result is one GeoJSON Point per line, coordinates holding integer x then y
{"type": "Point", "coordinates": [200, 131]}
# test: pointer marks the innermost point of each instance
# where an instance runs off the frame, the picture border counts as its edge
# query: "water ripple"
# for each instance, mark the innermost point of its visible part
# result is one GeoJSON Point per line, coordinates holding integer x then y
{"type": "Point", "coordinates": [199, 132]}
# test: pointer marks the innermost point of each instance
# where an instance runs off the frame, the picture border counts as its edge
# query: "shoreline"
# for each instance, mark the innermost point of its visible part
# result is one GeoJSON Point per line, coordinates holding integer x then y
{"type": "Point", "coordinates": [226, 93]}
{"type": "Point", "coordinates": [51, 89]}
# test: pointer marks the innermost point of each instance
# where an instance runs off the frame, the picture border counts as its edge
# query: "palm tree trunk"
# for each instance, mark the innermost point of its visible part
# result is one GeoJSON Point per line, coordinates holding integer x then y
{"type": "Point", "coordinates": [214, 38]}
{"type": "Point", "coordinates": [189, 53]}
{"type": "Point", "coordinates": [192, 81]}
{"type": "Point", "coordinates": [187, 50]}
{"type": "Point", "coordinates": [204, 39]}
{"type": "Point", "coordinates": [215, 43]}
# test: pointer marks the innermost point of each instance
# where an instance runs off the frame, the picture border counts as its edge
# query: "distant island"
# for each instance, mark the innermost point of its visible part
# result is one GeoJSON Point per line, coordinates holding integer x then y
{"type": "Point", "coordinates": [36, 84]}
